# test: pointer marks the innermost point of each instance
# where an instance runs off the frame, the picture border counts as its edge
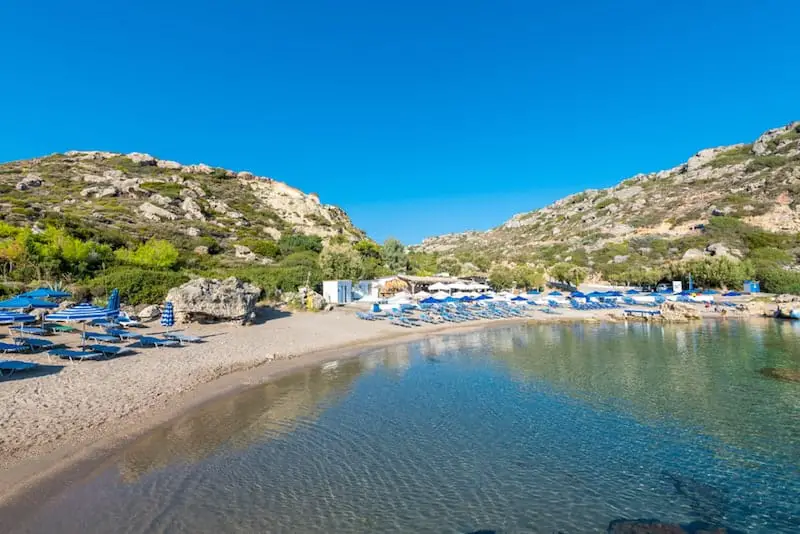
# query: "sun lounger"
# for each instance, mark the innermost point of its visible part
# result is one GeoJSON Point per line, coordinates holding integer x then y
{"type": "Point", "coordinates": [145, 341]}
{"type": "Point", "coordinates": [72, 355]}
{"type": "Point", "coordinates": [96, 336]}
{"type": "Point", "coordinates": [63, 328]}
{"type": "Point", "coordinates": [123, 319]}
{"type": "Point", "coordinates": [182, 338]}
{"type": "Point", "coordinates": [9, 347]}
{"type": "Point", "coordinates": [34, 343]}
{"type": "Point", "coordinates": [32, 330]}
{"type": "Point", "coordinates": [122, 334]}
{"type": "Point", "coordinates": [109, 350]}
{"type": "Point", "coordinates": [9, 367]}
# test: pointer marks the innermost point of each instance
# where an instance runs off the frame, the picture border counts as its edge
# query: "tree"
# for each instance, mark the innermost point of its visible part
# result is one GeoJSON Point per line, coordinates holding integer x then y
{"type": "Point", "coordinates": [501, 278]}
{"type": "Point", "coordinates": [341, 262]}
{"type": "Point", "coordinates": [422, 263]}
{"type": "Point", "coordinates": [155, 254]}
{"type": "Point", "coordinates": [394, 255]}
{"type": "Point", "coordinates": [368, 249]}
{"type": "Point", "coordinates": [568, 273]}
{"type": "Point", "coordinates": [290, 243]}
{"type": "Point", "coordinates": [449, 265]}
{"type": "Point", "coordinates": [528, 277]}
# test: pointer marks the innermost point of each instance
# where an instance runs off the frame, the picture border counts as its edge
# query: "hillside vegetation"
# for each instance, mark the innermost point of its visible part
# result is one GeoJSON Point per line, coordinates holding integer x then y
{"type": "Point", "coordinates": [95, 220]}
{"type": "Point", "coordinates": [727, 214]}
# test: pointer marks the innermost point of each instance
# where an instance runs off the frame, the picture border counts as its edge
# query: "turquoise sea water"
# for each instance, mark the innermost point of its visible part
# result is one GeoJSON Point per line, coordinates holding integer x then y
{"type": "Point", "coordinates": [542, 428]}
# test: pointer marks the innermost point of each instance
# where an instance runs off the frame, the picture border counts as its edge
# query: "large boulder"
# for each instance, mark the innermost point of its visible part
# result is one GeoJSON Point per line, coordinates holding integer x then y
{"type": "Point", "coordinates": [693, 254]}
{"type": "Point", "coordinates": [219, 300]}
{"type": "Point", "coordinates": [149, 313]}
{"type": "Point", "coordinates": [678, 312]}
{"type": "Point", "coordinates": [787, 375]}
{"type": "Point", "coordinates": [31, 180]}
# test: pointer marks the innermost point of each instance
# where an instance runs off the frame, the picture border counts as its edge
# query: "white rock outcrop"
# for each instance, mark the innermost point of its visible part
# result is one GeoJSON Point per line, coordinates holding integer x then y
{"type": "Point", "coordinates": [222, 300]}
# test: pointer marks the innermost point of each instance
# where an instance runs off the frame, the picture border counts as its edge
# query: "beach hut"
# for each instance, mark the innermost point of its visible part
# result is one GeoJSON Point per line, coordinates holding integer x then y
{"type": "Point", "coordinates": [337, 291]}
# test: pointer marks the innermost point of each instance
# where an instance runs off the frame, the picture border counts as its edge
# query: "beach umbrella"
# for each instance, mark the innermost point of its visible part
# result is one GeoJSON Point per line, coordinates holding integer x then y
{"type": "Point", "coordinates": [82, 313]}
{"type": "Point", "coordinates": [46, 293]}
{"type": "Point", "coordinates": [113, 300]}
{"type": "Point", "coordinates": [7, 317]}
{"type": "Point", "coordinates": [555, 293]}
{"type": "Point", "coordinates": [438, 286]}
{"type": "Point", "coordinates": [577, 295]}
{"type": "Point", "coordinates": [440, 296]}
{"type": "Point", "coordinates": [25, 303]}
{"type": "Point", "coordinates": [430, 300]}
{"type": "Point", "coordinates": [732, 294]}
{"type": "Point", "coordinates": [168, 315]}
{"type": "Point", "coordinates": [483, 297]}
{"type": "Point", "coordinates": [632, 292]}
{"type": "Point", "coordinates": [520, 298]}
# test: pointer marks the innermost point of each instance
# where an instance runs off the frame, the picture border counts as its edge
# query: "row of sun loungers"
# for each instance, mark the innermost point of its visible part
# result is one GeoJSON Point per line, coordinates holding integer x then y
{"type": "Point", "coordinates": [104, 346]}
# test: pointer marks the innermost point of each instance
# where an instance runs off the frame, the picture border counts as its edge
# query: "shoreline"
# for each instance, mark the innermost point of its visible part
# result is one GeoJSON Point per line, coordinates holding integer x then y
{"type": "Point", "coordinates": [22, 481]}
{"type": "Point", "coordinates": [36, 477]}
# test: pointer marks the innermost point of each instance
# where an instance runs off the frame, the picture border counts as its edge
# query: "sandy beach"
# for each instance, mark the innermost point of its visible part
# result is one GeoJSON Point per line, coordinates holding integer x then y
{"type": "Point", "coordinates": [69, 411]}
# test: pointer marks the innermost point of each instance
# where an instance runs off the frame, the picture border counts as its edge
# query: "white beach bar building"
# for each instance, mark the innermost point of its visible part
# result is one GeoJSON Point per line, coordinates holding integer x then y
{"type": "Point", "coordinates": [337, 291]}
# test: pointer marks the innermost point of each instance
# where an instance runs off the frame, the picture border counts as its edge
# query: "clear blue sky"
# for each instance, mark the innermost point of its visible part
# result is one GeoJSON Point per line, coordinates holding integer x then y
{"type": "Point", "coordinates": [417, 117]}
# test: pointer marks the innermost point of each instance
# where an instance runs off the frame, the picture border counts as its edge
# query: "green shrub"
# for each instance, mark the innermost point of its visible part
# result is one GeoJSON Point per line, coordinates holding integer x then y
{"type": "Point", "coordinates": [262, 247]}
{"type": "Point", "coordinates": [290, 243]}
{"type": "Point", "coordinates": [155, 254]}
{"type": "Point", "coordinates": [766, 162]}
{"type": "Point", "coordinates": [138, 286]}
{"type": "Point", "coordinates": [732, 156]}
{"type": "Point", "coordinates": [777, 280]}
{"type": "Point", "coordinates": [168, 189]}
{"type": "Point", "coordinates": [606, 202]}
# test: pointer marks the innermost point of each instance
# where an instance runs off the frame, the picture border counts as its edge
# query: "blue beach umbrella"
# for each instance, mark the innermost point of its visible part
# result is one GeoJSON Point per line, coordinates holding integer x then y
{"type": "Point", "coordinates": [25, 303]}
{"type": "Point", "coordinates": [168, 315]}
{"type": "Point", "coordinates": [7, 317]}
{"type": "Point", "coordinates": [82, 313]}
{"type": "Point", "coordinates": [430, 300]}
{"type": "Point", "coordinates": [519, 298]}
{"type": "Point", "coordinates": [113, 300]}
{"type": "Point", "coordinates": [632, 292]}
{"type": "Point", "coordinates": [46, 293]}
{"type": "Point", "coordinates": [555, 293]}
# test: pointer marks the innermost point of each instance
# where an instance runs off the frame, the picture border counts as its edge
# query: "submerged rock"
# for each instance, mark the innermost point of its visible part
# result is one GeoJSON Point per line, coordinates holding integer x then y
{"type": "Point", "coordinates": [653, 526]}
{"type": "Point", "coordinates": [787, 375]}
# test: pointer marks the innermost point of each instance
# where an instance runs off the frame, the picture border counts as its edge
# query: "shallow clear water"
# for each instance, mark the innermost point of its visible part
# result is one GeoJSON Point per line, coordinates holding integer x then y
{"type": "Point", "coordinates": [516, 429]}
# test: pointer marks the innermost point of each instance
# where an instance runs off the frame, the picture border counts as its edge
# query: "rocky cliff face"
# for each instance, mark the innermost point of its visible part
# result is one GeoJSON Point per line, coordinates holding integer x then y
{"type": "Point", "coordinates": [146, 197]}
{"type": "Point", "coordinates": [758, 183]}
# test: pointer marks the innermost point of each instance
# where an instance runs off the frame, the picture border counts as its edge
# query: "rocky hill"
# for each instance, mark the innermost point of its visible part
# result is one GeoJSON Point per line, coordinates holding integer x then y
{"type": "Point", "coordinates": [129, 197]}
{"type": "Point", "coordinates": [656, 217]}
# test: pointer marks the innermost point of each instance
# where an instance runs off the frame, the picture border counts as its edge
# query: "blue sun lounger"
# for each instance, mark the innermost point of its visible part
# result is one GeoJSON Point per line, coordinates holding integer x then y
{"type": "Point", "coordinates": [182, 338]}
{"type": "Point", "coordinates": [34, 343]}
{"type": "Point", "coordinates": [145, 341]}
{"type": "Point", "coordinates": [32, 330]}
{"type": "Point", "coordinates": [109, 350]}
{"type": "Point", "coordinates": [72, 355]}
{"type": "Point", "coordinates": [97, 336]}
{"type": "Point", "coordinates": [122, 334]}
{"type": "Point", "coordinates": [11, 347]}
{"type": "Point", "coordinates": [9, 367]}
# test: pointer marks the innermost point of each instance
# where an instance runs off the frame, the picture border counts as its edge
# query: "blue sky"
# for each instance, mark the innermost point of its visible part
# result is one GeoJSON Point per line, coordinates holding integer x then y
{"type": "Point", "coordinates": [417, 117]}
